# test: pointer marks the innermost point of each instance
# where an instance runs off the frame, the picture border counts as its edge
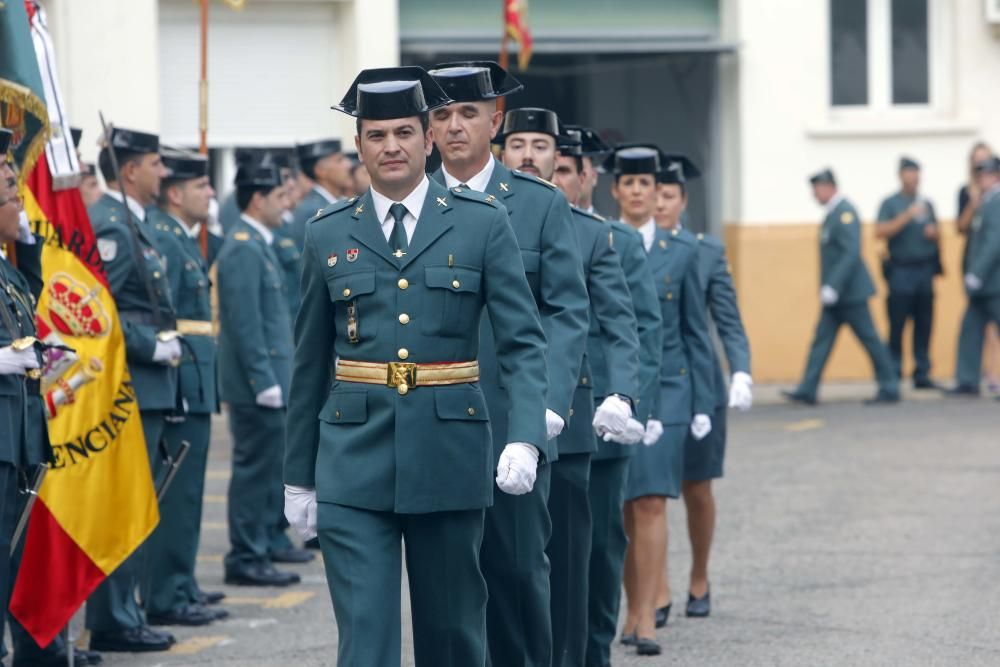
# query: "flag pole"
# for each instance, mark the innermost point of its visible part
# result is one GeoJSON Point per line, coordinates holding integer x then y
{"type": "Point", "coordinates": [203, 112]}
{"type": "Point", "coordinates": [504, 55]}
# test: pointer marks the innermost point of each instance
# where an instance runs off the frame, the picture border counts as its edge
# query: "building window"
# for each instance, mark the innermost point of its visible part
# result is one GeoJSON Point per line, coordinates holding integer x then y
{"type": "Point", "coordinates": [880, 52]}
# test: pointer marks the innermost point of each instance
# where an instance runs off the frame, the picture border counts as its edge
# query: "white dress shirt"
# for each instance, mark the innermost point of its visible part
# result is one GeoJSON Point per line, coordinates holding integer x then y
{"type": "Point", "coordinates": [259, 226]}
{"type": "Point", "coordinates": [833, 203]}
{"type": "Point", "coordinates": [324, 193]}
{"type": "Point", "coordinates": [137, 210]}
{"type": "Point", "coordinates": [413, 202]}
{"type": "Point", "coordinates": [648, 233]}
{"type": "Point", "coordinates": [477, 182]}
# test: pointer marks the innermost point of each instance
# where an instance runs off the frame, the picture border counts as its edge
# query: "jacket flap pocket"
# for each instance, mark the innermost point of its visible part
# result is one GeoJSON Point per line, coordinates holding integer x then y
{"type": "Point", "coordinates": [347, 287]}
{"type": "Point", "coordinates": [454, 278]}
{"type": "Point", "coordinates": [460, 403]}
{"type": "Point", "coordinates": [346, 407]}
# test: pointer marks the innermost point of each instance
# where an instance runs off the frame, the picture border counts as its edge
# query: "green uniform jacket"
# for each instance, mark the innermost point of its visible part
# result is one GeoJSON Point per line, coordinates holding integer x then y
{"type": "Point", "coordinates": [909, 245]}
{"type": "Point", "coordinates": [646, 306]}
{"type": "Point", "coordinates": [229, 213]}
{"type": "Point", "coordinates": [542, 223]}
{"type": "Point", "coordinates": [290, 258]}
{"type": "Point", "coordinates": [190, 287]}
{"type": "Point", "coordinates": [724, 310]}
{"type": "Point", "coordinates": [430, 450]}
{"type": "Point", "coordinates": [155, 383]}
{"type": "Point", "coordinates": [686, 382]}
{"type": "Point", "coordinates": [612, 325]}
{"type": "Point", "coordinates": [255, 335]}
{"type": "Point", "coordinates": [984, 245]}
{"type": "Point", "coordinates": [310, 206]}
{"type": "Point", "coordinates": [841, 266]}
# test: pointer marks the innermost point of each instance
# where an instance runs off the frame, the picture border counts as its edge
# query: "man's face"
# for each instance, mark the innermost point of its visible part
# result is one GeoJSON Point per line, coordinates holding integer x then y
{"type": "Point", "coordinates": [670, 203]}
{"type": "Point", "coordinates": [271, 206]}
{"type": "Point", "coordinates": [193, 198]}
{"type": "Point", "coordinates": [636, 195]}
{"type": "Point", "coordinates": [531, 152]}
{"type": "Point", "coordinates": [395, 151]}
{"type": "Point", "coordinates": [588, 182]}
{"type": "Point", "coordinates": [568, 178]}
{"type": "Point", "coordinates": [909, 179]}
{"type": "Point", "coordinates": [463, 131]}
{"type": "Point", "coordinates": [823, 192]}
{"type": "Point", "coordinates": [90, 190]}
{"type": "Point", "coordinates": [146, 173]}
{"type": "Point", "coordinates": [335, 171]}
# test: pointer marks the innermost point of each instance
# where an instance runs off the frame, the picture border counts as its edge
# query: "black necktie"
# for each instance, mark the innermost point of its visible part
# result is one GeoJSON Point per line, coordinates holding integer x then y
{"type": "Point", "coordinates": [397, 239]}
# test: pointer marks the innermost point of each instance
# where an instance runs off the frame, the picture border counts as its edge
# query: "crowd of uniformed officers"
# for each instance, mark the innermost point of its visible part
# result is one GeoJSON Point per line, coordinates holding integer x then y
{"type": "Point", "coordinates": [470, 369]}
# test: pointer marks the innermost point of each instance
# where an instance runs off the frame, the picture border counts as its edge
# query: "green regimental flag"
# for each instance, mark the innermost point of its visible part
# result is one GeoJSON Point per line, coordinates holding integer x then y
{"type": "Point", "coordinates": [22, 98]}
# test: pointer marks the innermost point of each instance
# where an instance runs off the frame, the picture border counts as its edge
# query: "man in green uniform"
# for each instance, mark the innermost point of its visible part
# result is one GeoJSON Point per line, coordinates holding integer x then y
{"type": "Point", "coordinates": [138, 282]}
{"type": "Point", "coordinates": [595, 149]}
{"type": "Point", "coordinates": [908, 223]}
{"type": "Point", "coordinates": [399, 447]}
{"type": "Point", "coordinates": [170, 592]}
{"type": "Point", "coordinates": [329, 170]}
{"type": "Point", "coordinates": [517, 529]}
{"type": "Point", "coordinates": [530, 139]}
{"type": "Point", "coordinates": [982, 273]}
{"type": "Point", "coordinates": [844, 293]}
{"type": "Point", "coordinates": [255, 350]}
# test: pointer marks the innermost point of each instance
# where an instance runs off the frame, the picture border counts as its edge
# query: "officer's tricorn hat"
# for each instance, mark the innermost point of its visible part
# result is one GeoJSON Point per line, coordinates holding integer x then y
{"type": "Point", "coordinates": [392, 92]}
{"type": "Point", "coordinates": [258, 176]}
{"type": "Point", "coordinates": [572, 142]}
{"type": "Point", "coordinates": [824, 176]}
{"type": "Point", "coordinates": [318, 149]}
{"type": "Point", "coordinates": [5, 139]}
{"type": "Point", "coordinates": [184, 166]}
{"type": "Point", "coordinates": [77, 134]}
{"type": "Point", "coordinates": [474, 80]}
{"type": "Point", "coordinates": [88, 169]}
{"type": "Point", "coordinates": [990, 165]}
{"type": "Point", "coordinates": [633, 159]}
{"type": "Point", "coordinates": [591, 144]}
{"type": "Point", "coordinates": [133, 141]}
{"type": "Point", "coordinates": [531, 119]}
{"type": "Point", "coordinates": [677, 168]}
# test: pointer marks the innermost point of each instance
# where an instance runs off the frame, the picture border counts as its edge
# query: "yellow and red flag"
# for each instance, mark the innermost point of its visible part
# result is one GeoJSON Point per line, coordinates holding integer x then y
{"type": "Point", "coordinates": [516, 27]}
{"type": "Point", "coordinates": [97, 504]}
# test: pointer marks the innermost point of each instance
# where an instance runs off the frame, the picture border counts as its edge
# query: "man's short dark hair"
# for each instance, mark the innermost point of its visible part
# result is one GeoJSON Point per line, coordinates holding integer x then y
{"type": "Point", "coordinates": [246, 192]}
{"type": "Point", "coordinates": [425, 123]}
{"type": "Point", "coordinates": [308, 167]}
{"type": "Point", "coordinates": [124, 157]}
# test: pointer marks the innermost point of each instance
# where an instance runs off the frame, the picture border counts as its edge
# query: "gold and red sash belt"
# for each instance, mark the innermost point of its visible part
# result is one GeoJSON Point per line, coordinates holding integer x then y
{"type": "Point", "coordinates": [405, 376]}
{"type": "Point", "coordinates": [195, 328]}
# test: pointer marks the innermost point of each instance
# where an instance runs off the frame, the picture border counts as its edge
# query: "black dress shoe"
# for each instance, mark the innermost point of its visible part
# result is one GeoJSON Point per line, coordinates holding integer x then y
{"type": "Point", "coordinates": [962, 391]}
{"type": "Point", "coordinates": [261, 575]}
{"type": "Point", "coordinates": [645, 646]}
{"type": "Point", "coordinates": [925, 383]}
{"type": "Point", "coordinates": [883, 398]}
{"type": "Point", "coordinates": [628, 640]}
{"type": "Point", "coordinates": [218, 613]}
{"type": "Point", "coordinates": [699, 607]}
{"type": "Point", "coordinates": [56, 659]}
{"type": "Point", "coordinates": [192, 615]}
{"type": "Point", "coordinates": [312, 543]}
{"type": "Point", "coordinates": [210, 597]}
{"type": "Point", "coordinates": [662, 616]}
{"type": "Point", "coordinates": [292, 555]}
{"type": "Point", "coordinates": [133, 640]}
{"type": "Point", "coordinates": [92, 657]}
{"type": "Point", "coordinates": [796, 397]}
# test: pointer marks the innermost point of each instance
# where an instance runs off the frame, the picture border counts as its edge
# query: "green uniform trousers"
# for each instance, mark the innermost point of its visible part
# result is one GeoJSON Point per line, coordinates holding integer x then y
{"type": "Point", "coordinates": [607, 556]}
{"type": "Point", "coordinates": [362, 556]}
{"type": "Point", "coordinates": [9, 509]}
{"type": "Point", "coordinates": [113, 606]}
{"type": "Point", "coordinates": [856, 316]}
{"type": "Point", "coordinates": [255, 489]}
{"type": "Point", "coordinates": [978, 313]}
{"type": "Point", "coordinates": [518, 615]}
{"type": "Point", "coordinates": [569, 555]}
{"type": "Point", "coordinates": [173, 547]}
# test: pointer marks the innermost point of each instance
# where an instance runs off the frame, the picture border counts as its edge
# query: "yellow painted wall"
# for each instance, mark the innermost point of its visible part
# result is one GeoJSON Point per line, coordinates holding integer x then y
{"type": "Point", "coordinates": [776, 271]}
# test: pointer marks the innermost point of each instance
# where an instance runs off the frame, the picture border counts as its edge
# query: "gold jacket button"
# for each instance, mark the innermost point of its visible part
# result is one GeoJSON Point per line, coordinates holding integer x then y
{"type": "Point", "coordinates": [402, 388]}
{"type": "Point", "coordinates": [571, 412]}
{"type": "Point", "coordinates": [670, 296]}
{"type": "Point", "coordinates": [683, 371]}
{"type": "Point", "coordinates": [404, 318]}
{"type": "Point", "coordinates": [456, 284]}
{"type": "Point", "coordinates": [472, 412]}
{"type": "Point", "coordinates": [403, 283]}
{"type": "Point", "coordinates": [403, 353]}
{"type": "Point", "coordinates": [156, 274]}
{"type": "Point", "coordinates": [347, 291]}
{"type": "Point", "coordinates": [584, 380]}
{"type": "Point", "coordinates": [336, 414]}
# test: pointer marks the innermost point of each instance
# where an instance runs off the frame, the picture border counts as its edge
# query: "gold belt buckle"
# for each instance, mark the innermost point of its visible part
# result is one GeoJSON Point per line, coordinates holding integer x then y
{"type": "Point", "coordinates": [401, 375]}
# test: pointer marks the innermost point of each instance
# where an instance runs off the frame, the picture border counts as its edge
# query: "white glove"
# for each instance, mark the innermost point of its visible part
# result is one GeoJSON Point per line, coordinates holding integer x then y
{"type": "Point", "coordinates": [973, 282]}
{"type": "Point", "coordinates": [632, 434]}
{"type": "Point", "coordinates": [517, 468]}
{"type": "Point", "coordinates": [740, 395]}
{"type": "Point", "coordinates": [611, 416]}
{"type": "Point", "coordinates": [300, 510]}
{"type": "Point", "coordinates": [16, 362]}
{"type": "Point", "coordinates": [554, 424]}
{"type": "Point", "coordinates": [270, 398]}
{"type": "Point", "coordinates": [701, 426]}
{"type": "Point", "coordinates": [167, 352]}
{"type": "Point", "coordinates": [827, 295]}
{"type": "Point", "coordinates": [654, 429]}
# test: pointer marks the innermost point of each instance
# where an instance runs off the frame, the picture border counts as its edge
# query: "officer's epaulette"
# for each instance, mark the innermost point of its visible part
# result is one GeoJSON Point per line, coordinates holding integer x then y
{"type": "Point", "coordinates": [335, 207]}
{"type": "Point", "coordinates": [709, 240]}
{"type": "Point", "coordinates": [588, 214]}
{"type": "Point", "coordinates": [286, 243]}
{"type": "Point", "coordinates": [475, 195]}
{"type": "Point", "coordinates": [241, 236]}
{"type": "Point", "coordinates": [529, 177]}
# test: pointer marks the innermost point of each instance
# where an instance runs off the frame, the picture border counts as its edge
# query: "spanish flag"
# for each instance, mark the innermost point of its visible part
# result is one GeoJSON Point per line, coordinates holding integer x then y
{"type": "Point", "coordinates": [97, 504]}
{"type": "Point", "coordinates": [516, 27]}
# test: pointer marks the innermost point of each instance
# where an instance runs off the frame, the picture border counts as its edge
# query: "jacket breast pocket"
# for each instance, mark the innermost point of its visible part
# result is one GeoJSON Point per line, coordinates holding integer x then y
{"type": "Point", "coordinates": [345, 407]}
{"type": "Point", "coordinates": [452, 300]}
{"type": "Point", "coordinates": [353, 296]}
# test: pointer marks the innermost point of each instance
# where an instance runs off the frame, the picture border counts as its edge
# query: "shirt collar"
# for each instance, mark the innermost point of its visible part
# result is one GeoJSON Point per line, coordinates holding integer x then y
{"type": "Point", "coordinates": [324, 193]}
{"type": "Point", "coordinates": [834, 203]}
{"type": "Point", "coordinates": [137, 210]}
{"type": "Point", "coordinates": [477, 182]}
{"type": "Point", "coordinates": [258, 227]}
{"type": "Point", "coordinates": [192, 231]}
{"type": "Point", "coordinates": [648, 232]}
{"type": "Point", "coordinates": [413, 201]}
